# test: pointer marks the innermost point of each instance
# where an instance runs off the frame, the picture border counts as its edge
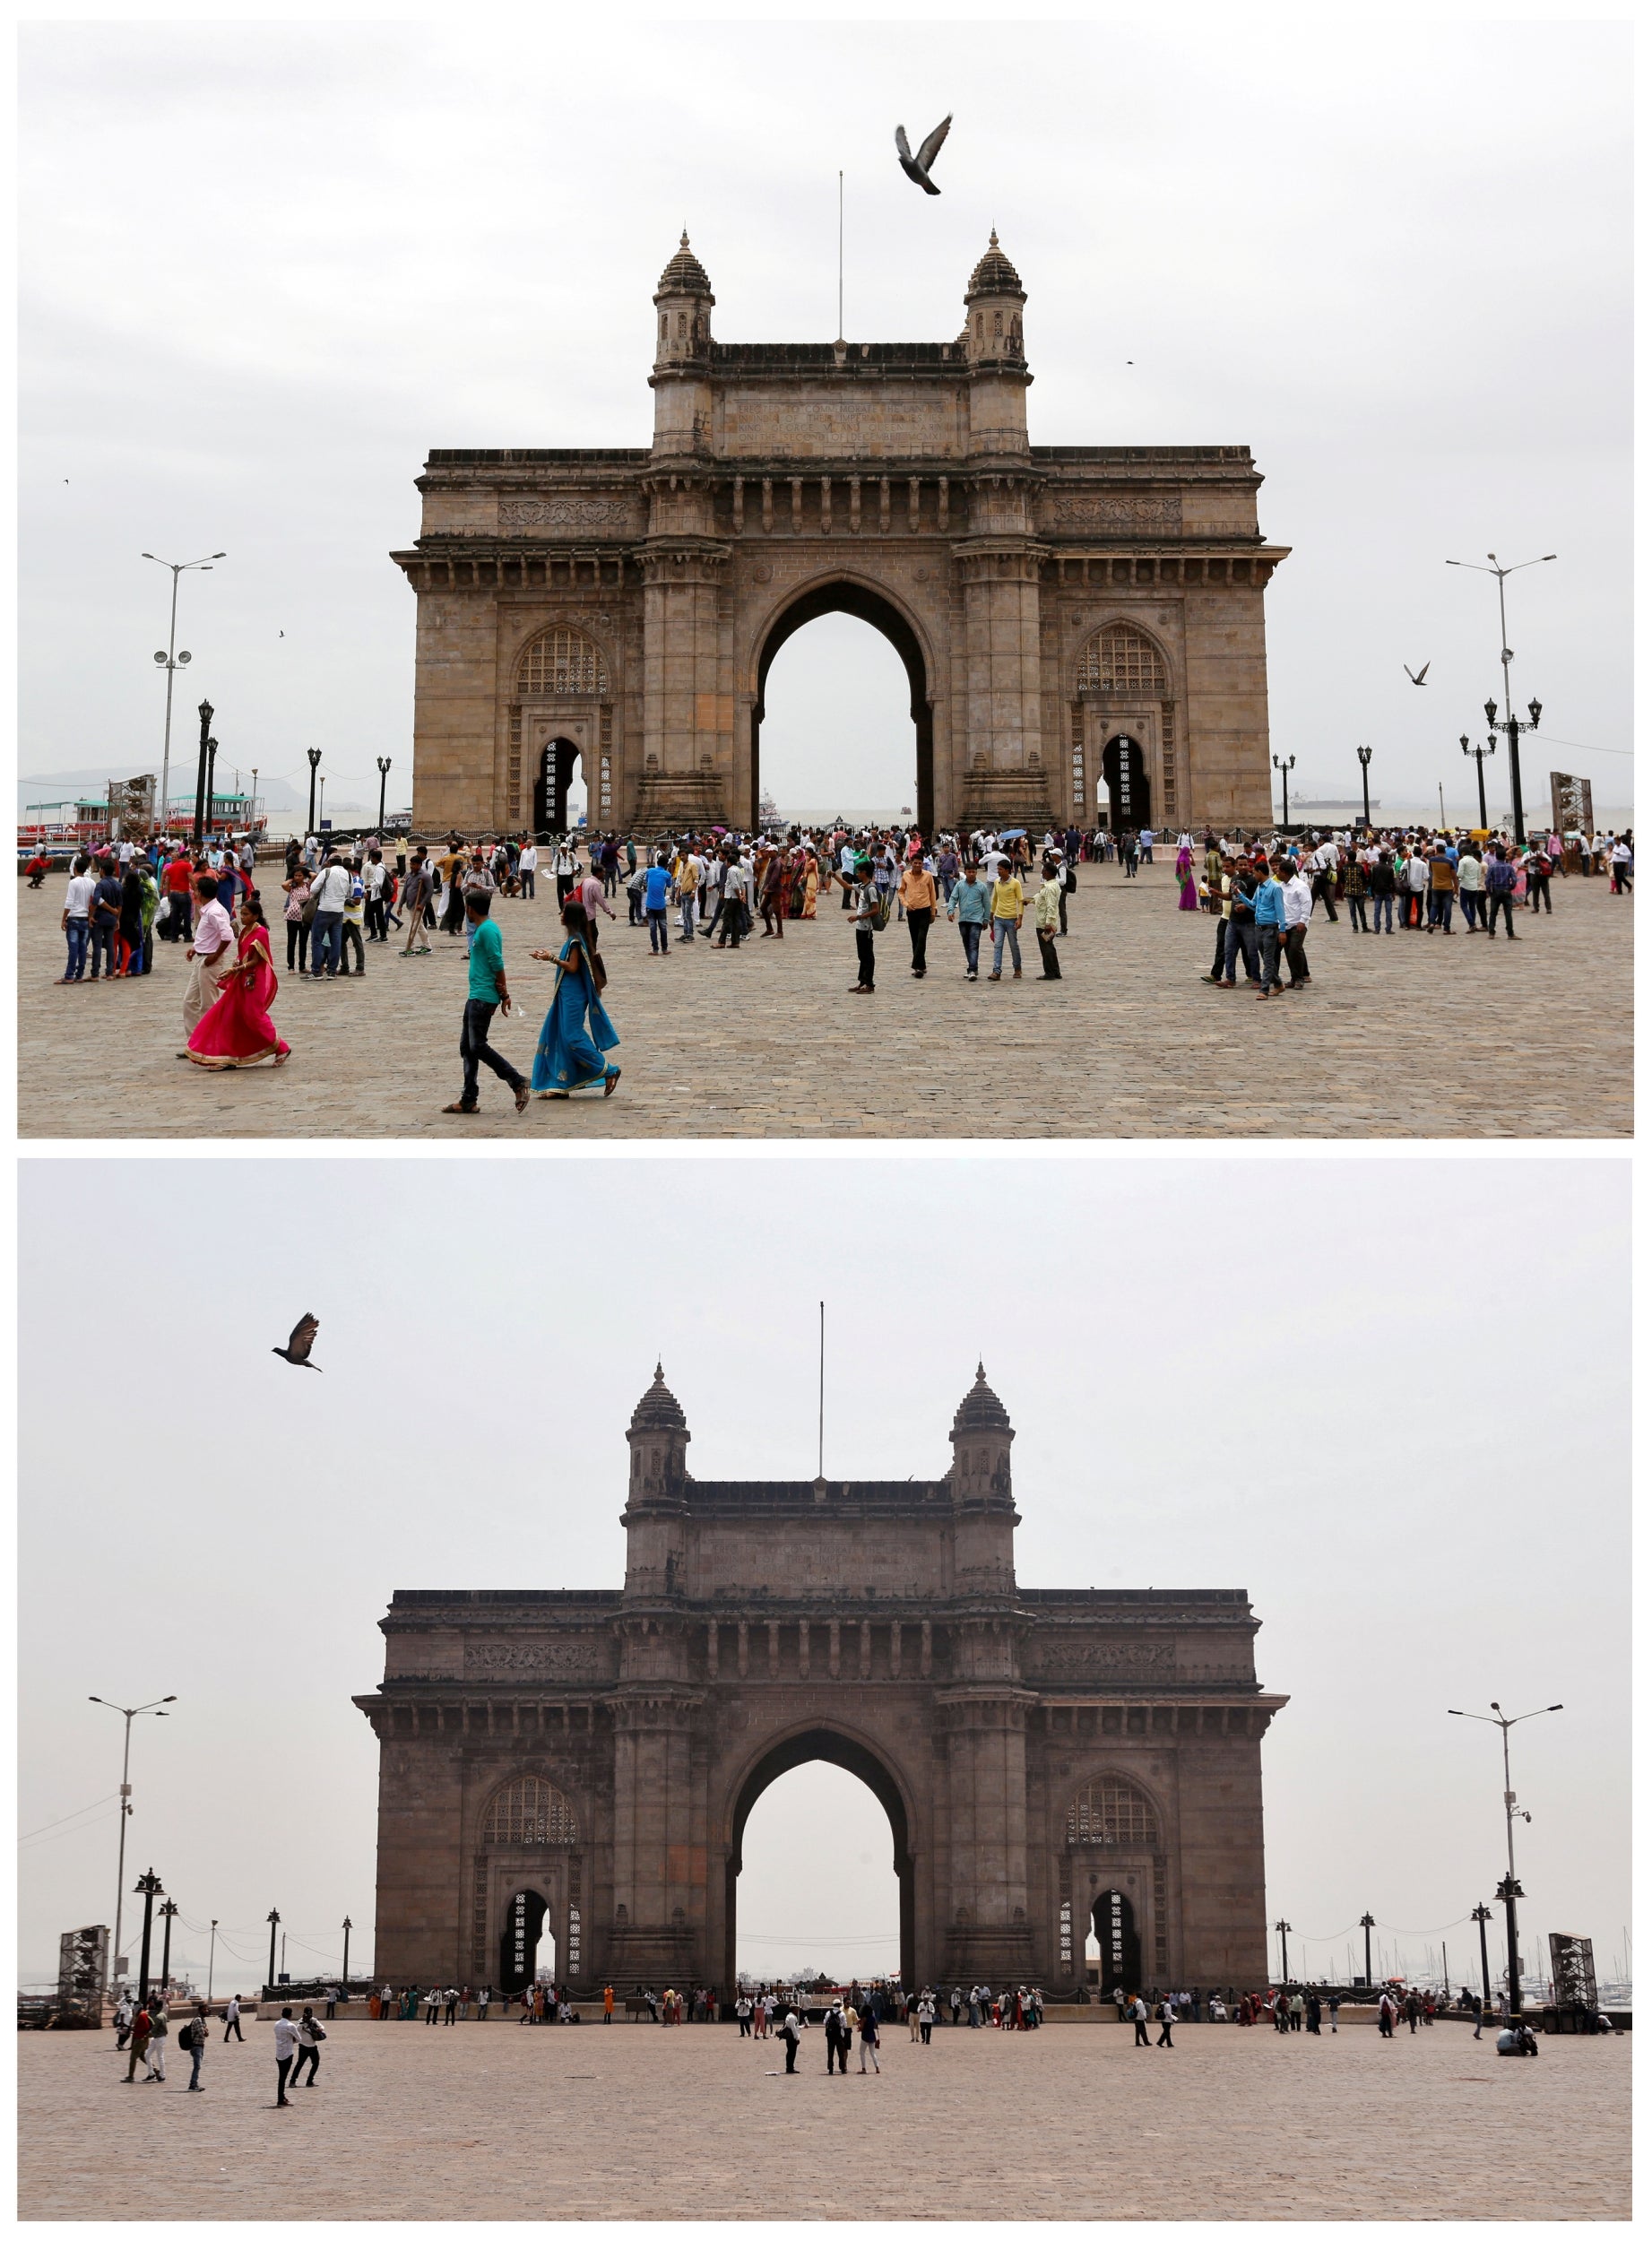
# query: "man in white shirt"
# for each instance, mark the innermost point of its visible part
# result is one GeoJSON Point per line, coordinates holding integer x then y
{"type": "Point", "coordinates": [211, 953]}
{"type": "Point", "coordinates": [232, 2018]}
{"type": "Point", "coordinates": [76, 921]}
{"type": "Point", "coordinates": [527, 864]}
{"type": "Point", "coordinates": [286, 2047]}
{"type": "Point", "coordinates": [1147, 845]}
{"type": "Point", "coordinates": [1298, 911]}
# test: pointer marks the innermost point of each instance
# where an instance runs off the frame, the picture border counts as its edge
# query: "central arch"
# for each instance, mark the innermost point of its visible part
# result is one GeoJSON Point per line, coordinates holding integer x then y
{"type": "Point", "coordinates": [843, 595]}
{"type": "Point", "coordinates": [857, 1758]}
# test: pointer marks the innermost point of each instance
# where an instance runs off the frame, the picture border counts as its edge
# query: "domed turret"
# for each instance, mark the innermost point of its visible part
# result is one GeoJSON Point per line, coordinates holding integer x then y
{"type": "Point", "coordinates": [656, 1501]}
{"type": "Point", "coordinates": [683, 301]}
{"type": "Point", "coordinates": [992, 332]}
{"type": "Point", "coordinates": [658, 1410]}
{"type": "Point", "coordinates": [982, 1433]}
{"type": "Point", "coordinates": [980, 1409]}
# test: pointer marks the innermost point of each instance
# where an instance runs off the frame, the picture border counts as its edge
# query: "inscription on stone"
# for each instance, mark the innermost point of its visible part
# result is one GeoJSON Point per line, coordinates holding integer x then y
{"type": "Point", "coordinates": [485, 1661]}
{"type": "Point", "coordinates": [564, 513]}
{"type": "Point", "coordinates": [1108, 1661]}
{"type": "Point", "coordinates": [1075, 509]}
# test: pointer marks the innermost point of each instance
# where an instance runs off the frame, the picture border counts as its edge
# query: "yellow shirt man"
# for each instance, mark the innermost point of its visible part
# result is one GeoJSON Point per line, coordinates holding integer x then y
{"type": "Point", "coordinates": [1008, 901]}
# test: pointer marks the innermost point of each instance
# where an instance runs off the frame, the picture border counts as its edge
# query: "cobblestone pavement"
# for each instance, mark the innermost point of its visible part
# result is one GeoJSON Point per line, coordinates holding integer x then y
{"type": "Point", "coordinates": [1412, 1036]}
{"type": "Point", "coordinates": [499, 2122]}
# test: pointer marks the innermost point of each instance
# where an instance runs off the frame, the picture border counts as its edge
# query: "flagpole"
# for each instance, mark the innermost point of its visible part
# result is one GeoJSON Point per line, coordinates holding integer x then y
{"type": "Point", "coordinates": [820, 1454]}
{"type": "Point", "coordinates": [840, 337]}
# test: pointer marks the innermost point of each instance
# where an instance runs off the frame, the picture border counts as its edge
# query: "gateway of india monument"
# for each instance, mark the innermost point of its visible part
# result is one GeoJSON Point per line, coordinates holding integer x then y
{"type": "Point", "coordinates": [1081, 625]}
{"type": "Point", "coordinates": [1056, 1763]}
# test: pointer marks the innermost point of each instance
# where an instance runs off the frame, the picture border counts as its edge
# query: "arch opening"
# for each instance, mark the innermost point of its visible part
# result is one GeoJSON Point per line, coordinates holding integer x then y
{"type": "Point", "coordinates": [560, 797]}
{"type": "Point", "coordinates": [866, 605]}
{"type": "Point", "coordinates": [527, 1949]}
{"type": "Point", "coordinates": [824, 1745]}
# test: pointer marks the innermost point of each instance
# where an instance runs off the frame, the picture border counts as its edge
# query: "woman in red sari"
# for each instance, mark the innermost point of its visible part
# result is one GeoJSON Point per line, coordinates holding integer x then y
{"type": "Point", "coordinates": [237, 1031]}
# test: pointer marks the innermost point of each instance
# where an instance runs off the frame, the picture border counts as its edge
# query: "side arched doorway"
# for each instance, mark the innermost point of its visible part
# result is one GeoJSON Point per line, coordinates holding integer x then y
{"type": "Point", "coordinates": [849, 598]}
{"type": "Point", "coordinates": [1120, 1943]}
{"type": "Point", "coordinates": [557, 767]}
{"type": "Point", "coordinates": [855, 1758]}
{"type": "Point", "coordinates": [519, 1941]}
{"type": "Point", "coordinates": [1124, 773]}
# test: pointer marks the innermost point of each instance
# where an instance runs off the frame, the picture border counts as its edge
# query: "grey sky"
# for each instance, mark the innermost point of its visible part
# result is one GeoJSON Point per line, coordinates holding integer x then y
{"type": "Point", "coordinates": [265, 267]}
{"type": "Point", "coordinates": [1389, 1397]}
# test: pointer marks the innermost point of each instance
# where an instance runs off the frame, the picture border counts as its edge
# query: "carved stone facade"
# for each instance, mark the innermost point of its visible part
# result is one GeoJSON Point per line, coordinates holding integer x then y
{"type": "Point", "coordinates": [890, 480]}
{"type": "Point", "coordinates": [1050, 1760]}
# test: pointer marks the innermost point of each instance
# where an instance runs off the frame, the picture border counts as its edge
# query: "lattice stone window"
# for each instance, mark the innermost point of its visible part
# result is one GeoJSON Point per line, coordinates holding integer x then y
{"type": "Point", "coordinates": [528, 1811]}
{"type": "Point", "coordinates": [560, 662]}
{"type": "Point", "coordinates": [1112, 1811]}
{"type": "Point", "coordinates": [1123, 660]}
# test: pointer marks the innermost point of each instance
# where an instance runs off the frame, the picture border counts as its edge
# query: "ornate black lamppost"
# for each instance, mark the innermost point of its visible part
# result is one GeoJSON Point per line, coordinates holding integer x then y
{"type": "Point", "coordinates": [205, 714]}
{"type": "Point", "coordinates": [1285, 1970]}
{"type": "Point", "coordinates": [1364, 755]}
{"type": "Point", "coordinates": [1510, 726]}
{"type": "Point", "coordinates": [1284, 770]}
{"type": "Point", "coordinates": [1480, 753]}
{"type": "Point", "coordinates": [1368, 1922]}
{"type": "Point", "coordinates": [347, 1921]}
{"type": "Point", "coordinates": [1482, 1915]}
{"type": "Point", "coordinates": [1508, 1890]}
{"type": "Point", "coordinates": [212, 776]}
{"type": "Point", "coordinates": [167, 1913]}
{"type": "Point", "coordinates": [314, 754]}
{"type": "Point", "coordinates": [148, 1887]}
{"type": "Point", "coordinates": [384, 772]}
{"type": "Point", "coordinates": [273, 1918]}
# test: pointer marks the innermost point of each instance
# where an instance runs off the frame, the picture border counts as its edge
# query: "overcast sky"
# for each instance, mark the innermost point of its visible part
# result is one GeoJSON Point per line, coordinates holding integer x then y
{"type": "Point", "coordinates": [1386, 1396]}
{"type": "Point", "coordinates": [264, 268]}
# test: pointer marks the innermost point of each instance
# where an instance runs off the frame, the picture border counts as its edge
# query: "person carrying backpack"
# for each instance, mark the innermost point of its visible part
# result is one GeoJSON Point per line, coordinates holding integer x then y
{"type": "Point", "coordinates": [192, 2041]}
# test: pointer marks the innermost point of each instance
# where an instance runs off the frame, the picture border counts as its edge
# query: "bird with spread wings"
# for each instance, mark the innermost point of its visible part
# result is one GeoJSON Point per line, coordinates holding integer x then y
{"type": "Point", "coordinates": [917, 167]}
{"type": "Point", "coordinates": [296, 1349]}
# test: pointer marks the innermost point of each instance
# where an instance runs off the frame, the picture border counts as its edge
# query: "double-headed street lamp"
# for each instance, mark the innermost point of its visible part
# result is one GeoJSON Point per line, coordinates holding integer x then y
{"type": "Point", "coordinates": [1364, 755]}
{"type": "Point", "coordinates": [314, 754]}
{"type": "Point", "coordinates": [1368, 1922]}
{"type": "Point", "coordinates": [1284, 770]}
{"type": "Point", "coordinates": [128, 1713]}
{"type": "Point", "coordinates": [347, 1930]}
{"type": "Point", "coordinates": [167, 1913]}
{"type": "Point", "coordinates": [384, 773]}
{"type": "Point", "coordinates": [172, 660]}
{"type": "Point", "coordinates": [1285, 1970]}
{"type": "Point", "coordinates": [1509, 1891]}
{"type": "Point", "coordinates": [1480, 753]}
{"type": "Point", "coordinates": [1510, 727]}
{"type": "Point", "coordinates": [273, 1917]}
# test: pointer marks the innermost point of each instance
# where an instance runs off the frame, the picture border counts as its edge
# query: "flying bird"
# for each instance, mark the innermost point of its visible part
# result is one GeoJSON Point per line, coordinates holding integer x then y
{"type": "Point", "coordinates": [1417, 678]}
{"type": "Point", "coordinates": [296, 1349]}
{"type": "Point", "coordinates": [917, 167]}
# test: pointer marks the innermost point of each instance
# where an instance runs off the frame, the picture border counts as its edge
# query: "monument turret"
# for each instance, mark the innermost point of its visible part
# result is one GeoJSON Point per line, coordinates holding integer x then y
{"type": "Point", "coordinates": [656, 1506]}
{"type": "Point", "coordinates": [681, 376]}
{"type": "Point", "coordinates": [983, 1502]}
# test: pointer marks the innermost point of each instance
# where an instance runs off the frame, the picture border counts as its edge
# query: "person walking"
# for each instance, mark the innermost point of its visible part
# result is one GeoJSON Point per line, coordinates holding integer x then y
{"type": "Point", "coordinates": [527, 869]}
{"type": "Point", "coordinates": [330, 893]}
{"type": "Point", "coordinates": [232, 2018]}
{"type": "Point", "coordinates": [1500, 882]}
{"type": "Point", "coordinates": [1047, 916]}
{"type": "Point", "coordinates": [657, 896]}
{"type": "Point", "coordinates": [837, 2038]}
{"type": "Point", "coordinates": [1298, 911]}
{"type": "Point", "coordinates": [155, 2053]}
{"type": "Point", "coordinates": [1167, 2016]}
{"type": "Point", "coordinates": [790, 2030]}
{"type": "Point", "coordinates": [917, 897]}
{"type": "Point", "coordinates": [970, 904]}
{"type": "Point", "coordinates": [310, 2034]}
{"type": "Point", "coordinates": [1384, 884]}
{"type": "Point", "coordinates": [211, 953]}
{"type": "Point", "coordinates": [487, 992]}
{"type": "Point", "coordinates": [1268, 904]}
{"type": "Point", "coordinates": [286, 2047]}
{"type": "Point", "coordinates": [1009, 910]}
{"type": "Point", "coordinates": [143, 2024]}
{"type": "Point", "coordinates": [124, 2013]}
{"type": "Point", "coordinates": [868, 2039]}
{"type": "Point", "coordinates": [416, 892]}
{"type": "Point", "coordinates": [192, 2041]}
{"type": "Point", "coordinates": [864, 907]}
{"type": "Point", "coordinates": [1137, 2013]}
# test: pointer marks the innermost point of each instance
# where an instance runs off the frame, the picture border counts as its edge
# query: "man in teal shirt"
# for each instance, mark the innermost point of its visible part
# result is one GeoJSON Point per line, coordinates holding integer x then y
{"type": "Point", "coordinates": [1268, 902]}
{"type": "Point", "coordinates": [487, 993]}
{"type": "Point", "coordinates": [971, 903]}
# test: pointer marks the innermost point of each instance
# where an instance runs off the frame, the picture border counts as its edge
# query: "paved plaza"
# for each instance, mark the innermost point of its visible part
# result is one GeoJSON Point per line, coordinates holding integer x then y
{"type": "Point", "coordinates": [499, 2122]}
{"type": "Point", "coordinates": [1414, 1035]}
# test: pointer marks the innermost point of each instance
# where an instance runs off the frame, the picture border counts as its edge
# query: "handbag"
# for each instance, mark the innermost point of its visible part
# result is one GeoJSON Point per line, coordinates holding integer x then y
{"type": "Point", "coordinates": [307, 916]}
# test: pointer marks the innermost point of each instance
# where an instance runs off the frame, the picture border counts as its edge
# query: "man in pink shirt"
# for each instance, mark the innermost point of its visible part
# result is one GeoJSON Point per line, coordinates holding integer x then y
{"type": "Point", "coordinates": [211, 955]}
{"type": "Point", "coordinates": [588, 890]}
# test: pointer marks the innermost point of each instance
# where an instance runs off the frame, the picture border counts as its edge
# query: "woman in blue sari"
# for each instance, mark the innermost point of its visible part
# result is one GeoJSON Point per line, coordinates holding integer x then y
{"type": "Point", "coordinates": [576, 1030]}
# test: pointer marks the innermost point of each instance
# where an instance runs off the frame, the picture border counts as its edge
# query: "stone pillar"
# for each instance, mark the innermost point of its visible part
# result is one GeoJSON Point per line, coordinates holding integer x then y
{"type": "Point", "coordinates": [659, 1843]}
{"type": "Point", "coordinates": [689, 772]}
{"type": "Point", "coordinates": [987, 1932]}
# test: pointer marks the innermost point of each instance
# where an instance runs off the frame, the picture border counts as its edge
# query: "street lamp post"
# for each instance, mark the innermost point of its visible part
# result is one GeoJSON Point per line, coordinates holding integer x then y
{"type": "Point", "coordinates": [149, 1884]}
{"type": "Point", "coordinates": [1482, 1915]}
{"type": "Point", "coordinates": [1368, 1922]}
{"type": "Point", "coordinates": [347, 1930]}
{"type": "Point", "coordinates": [251, 806]}
{"type": "Point", "coordinates": [273, 1918]}
{"type": "Point", "coordinates": [128, 1713]}
{"type": "Point", "coordinates": [212, 776]}
{"type": "Point", "coordinates": [384, 773]}
{"type": "Point", "coordinates": [1510, 727]}
{"type": "Point", "coordinates": [1285, 1970]}
{"type": "Point", "coordinates": [1364, 755]}
{"type": "Point", "coordinates": [1508, 1890]}
{"type": "Point", "coordinates": [324, 797]}
{"type": "Point", "coordinates": [211, 1955]}
{"type": "Point", "coordinates": [205, 714]}
{"type": "Point", "coordinates": [1284, 770]}
{"type": "Point", "coordinates": [167, 1913]}
{"type": "Point", "coordinates": [1480, 753]}
{"type": "Point", "coordinates": [171, 662]}
{"type": "Point", "coordinates": [314, 753]}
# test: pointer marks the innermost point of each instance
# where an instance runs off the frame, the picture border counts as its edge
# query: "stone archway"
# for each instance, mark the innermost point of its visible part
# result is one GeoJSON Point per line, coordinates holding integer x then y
{"type": "Point", "coordinates": [845, 595]}
{"type": "Point", "coordinates": [559, 761]}
{"type": "Point", "coordinates": [836, 1748]}
{"type": "Point", "coordinates": [525, 1914]}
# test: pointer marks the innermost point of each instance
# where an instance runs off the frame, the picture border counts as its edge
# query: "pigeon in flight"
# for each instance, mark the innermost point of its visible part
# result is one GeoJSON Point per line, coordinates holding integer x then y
{"type": "Point", "coordinates": [917, 167]}
{"type": "Point", "coordinates": [1417, 678]}
{"type": "Point", "coordinates": [296, 1349]}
